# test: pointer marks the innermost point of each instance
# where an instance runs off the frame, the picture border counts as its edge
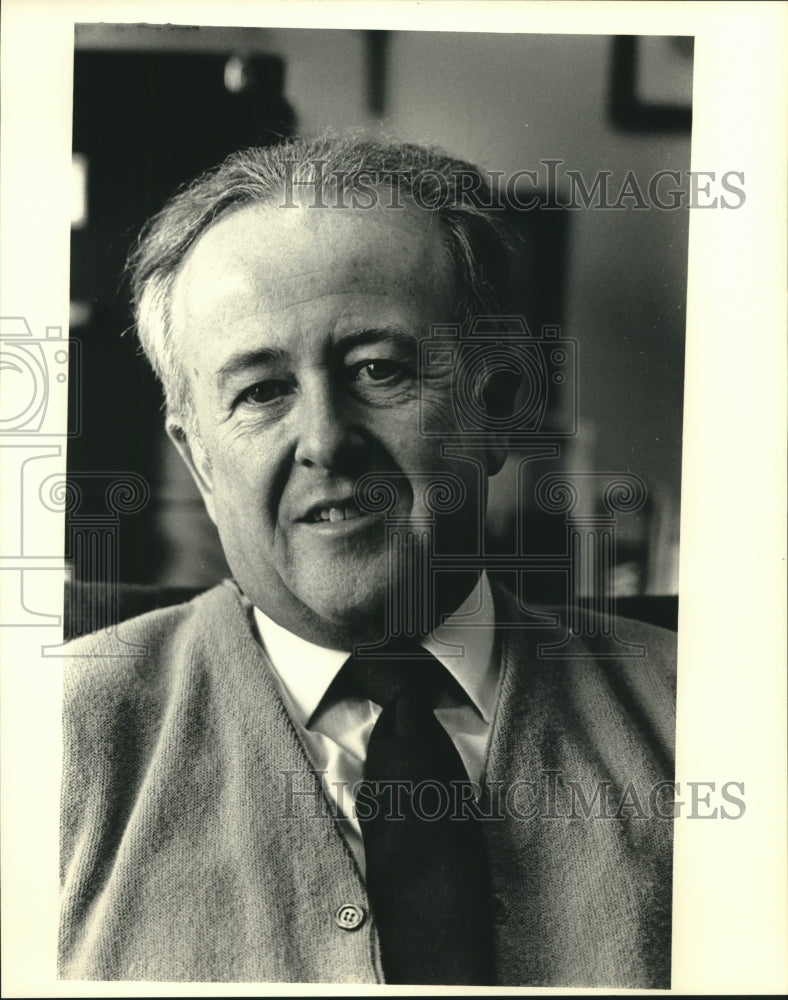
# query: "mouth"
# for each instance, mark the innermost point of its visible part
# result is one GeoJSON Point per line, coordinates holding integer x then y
{"type": "Point", "coordinates": [333, 512]}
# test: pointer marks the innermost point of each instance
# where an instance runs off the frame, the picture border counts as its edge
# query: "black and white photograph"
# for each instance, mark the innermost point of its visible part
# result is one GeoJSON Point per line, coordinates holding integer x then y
{"type": "Point", "coordinates": [364, 461]}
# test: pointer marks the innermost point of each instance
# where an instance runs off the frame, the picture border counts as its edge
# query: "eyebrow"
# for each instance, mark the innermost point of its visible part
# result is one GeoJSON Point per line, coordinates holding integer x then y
{"type": "Point", "coordinates": [377, 335]}
{"type": "Point", "coordinates": [244, 360]}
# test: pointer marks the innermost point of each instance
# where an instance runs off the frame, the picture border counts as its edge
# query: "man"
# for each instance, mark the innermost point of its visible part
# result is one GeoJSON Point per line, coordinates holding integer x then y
{"type": "Point", "coordinates": [271, 783]}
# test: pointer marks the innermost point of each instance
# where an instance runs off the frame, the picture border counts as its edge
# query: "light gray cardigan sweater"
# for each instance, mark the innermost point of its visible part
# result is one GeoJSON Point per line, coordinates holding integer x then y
{"type": "Point", "coordinates": [186, 854]}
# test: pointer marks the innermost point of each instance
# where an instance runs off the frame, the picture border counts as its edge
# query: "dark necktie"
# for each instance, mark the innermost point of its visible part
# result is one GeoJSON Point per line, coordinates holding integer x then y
{"type": "Point", "coordinates": [427, 877]}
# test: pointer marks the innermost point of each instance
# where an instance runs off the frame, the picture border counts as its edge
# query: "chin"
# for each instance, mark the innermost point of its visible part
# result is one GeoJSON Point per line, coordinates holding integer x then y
{"type": "Point", "coordinates": [350, 610]}
{"type": "Point", "coordinates": [364, 613]}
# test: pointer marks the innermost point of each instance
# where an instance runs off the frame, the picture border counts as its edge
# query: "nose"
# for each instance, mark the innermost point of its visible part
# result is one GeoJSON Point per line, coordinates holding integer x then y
{"type": "Point", "coordinates": [326, 436]}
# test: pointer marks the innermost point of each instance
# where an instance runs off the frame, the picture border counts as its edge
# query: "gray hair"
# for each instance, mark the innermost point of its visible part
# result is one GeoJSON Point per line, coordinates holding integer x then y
{"type": "Point", "coordinates": [476, 235]}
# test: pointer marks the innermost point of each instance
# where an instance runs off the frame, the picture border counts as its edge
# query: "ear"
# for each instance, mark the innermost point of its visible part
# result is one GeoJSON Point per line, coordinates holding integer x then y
{"type": "Point", "coordinates": [192, 451]}
{"type": "Point", "coordinates": [498, 396]}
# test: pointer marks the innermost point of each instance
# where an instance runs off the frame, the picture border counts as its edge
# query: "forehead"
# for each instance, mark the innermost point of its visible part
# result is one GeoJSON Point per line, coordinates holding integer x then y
{"type": "Point", "coordinates": [319, 261]}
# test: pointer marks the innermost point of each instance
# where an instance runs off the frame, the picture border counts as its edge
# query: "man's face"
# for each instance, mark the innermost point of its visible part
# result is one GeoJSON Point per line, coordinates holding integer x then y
{"type": "Point", "coordinates": [299, 329]}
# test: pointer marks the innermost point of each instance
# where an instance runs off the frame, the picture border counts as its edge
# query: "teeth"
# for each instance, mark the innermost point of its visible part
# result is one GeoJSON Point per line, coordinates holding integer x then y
{"type": "Point", "coordinates": [336, 514]}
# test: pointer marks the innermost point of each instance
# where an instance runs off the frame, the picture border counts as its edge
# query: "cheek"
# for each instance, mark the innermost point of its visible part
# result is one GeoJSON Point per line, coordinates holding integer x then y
{"type": "Point", "coordinates": [243, 492]}
{"type": "Point", "coordinates": [419, 428]}
{"type": "Point", "coordinates": [437, 411]}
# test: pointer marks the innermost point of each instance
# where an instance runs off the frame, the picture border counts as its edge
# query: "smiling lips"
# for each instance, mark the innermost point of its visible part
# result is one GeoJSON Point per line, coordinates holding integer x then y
{"type": "Point", "coordinates": [346, 512]}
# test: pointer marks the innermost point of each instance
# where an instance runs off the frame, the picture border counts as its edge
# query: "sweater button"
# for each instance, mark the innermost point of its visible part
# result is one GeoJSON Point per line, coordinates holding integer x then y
{"type": "Point", "coordinates": [349, 917]}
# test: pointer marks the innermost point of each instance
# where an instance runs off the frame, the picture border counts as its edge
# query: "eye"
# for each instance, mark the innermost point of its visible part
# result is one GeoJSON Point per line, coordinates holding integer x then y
{"type": "Point", "coordinates": [380, 370]}
{"type": "Point", "coordinates": [262, 393]}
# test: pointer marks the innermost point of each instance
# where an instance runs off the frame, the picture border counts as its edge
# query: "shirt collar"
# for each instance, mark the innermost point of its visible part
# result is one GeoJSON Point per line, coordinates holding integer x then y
{"type": "Point", "coordinates": [463, 643]}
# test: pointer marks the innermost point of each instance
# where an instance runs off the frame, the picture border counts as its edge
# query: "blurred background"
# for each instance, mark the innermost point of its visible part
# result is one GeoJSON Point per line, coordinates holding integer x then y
{"type": "Point", "coordinates": [154, 105]}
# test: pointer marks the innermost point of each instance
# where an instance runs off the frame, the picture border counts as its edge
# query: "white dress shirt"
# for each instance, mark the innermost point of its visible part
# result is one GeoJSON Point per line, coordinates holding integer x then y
{"type": "Point", "coordinates": [336, 731]}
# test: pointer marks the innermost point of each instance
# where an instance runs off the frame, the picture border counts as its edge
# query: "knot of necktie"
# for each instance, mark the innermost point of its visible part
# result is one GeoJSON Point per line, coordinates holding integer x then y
{"type": "Point", "coordinates": [407, 671]}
